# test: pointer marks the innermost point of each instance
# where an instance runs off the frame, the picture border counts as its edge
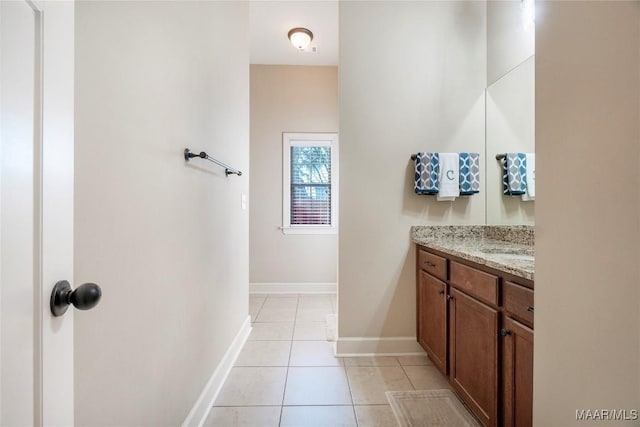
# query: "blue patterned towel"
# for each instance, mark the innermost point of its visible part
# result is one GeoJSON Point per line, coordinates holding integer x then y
{"type": "Point", "coordinates": [469, 173]}
{"type": "Point", "coordinates": [531, 178]}
{"type": "Point", "coordinates": [514, 179]}
{"type": "Point", "coordinates": [427, 169]}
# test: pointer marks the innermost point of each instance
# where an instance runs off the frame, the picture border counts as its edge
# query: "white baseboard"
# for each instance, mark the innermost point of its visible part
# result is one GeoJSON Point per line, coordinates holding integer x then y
{"type": "Point", "coordinates": [292, 288]}
{"type": "Point", "coordinates": [198, 414]}
{"type": "Point", "coordinates": [364, 346]}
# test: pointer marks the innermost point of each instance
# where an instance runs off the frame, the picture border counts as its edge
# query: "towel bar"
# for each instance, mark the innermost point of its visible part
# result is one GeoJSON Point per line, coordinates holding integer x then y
{"type": "Point", "coordinates": [228, 170]}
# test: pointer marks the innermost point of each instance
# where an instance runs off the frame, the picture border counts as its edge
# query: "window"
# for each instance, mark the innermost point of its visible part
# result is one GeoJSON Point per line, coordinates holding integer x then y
{"type": "Point", "coordinates": [310, 183]}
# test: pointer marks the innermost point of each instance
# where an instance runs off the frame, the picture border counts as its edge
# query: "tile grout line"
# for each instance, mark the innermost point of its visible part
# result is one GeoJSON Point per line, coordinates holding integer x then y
{"type": "Point", "coordinates": [259, 310]}
{"type": "Point", "coordinates": [261, 306]}
{"type": "Point", "coordinates": [353, 405]}
{"type": "Point", "coordinates": [286, 378]}
{"type": "Point", "coordinates": [406, 375]}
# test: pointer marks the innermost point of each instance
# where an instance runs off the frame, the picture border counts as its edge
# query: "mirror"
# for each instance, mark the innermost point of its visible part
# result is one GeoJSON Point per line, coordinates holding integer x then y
{"type": "Point", "coordinates": [510, 127]}
{"type": "Point", "coordinates": [510, 103]}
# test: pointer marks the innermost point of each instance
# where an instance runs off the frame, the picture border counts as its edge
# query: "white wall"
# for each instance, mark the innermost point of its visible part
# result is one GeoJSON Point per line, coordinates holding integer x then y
{"type": "Point", "coordinates": [287, 99]}
{"type": "Point", "coordinates": [587, 348]}
{"type": "Point", "coordinates": [412, 78]}
{"type": "Point", "coordinates": [167, 241]}
{"type": "Point", "coordinates": [510, 36]}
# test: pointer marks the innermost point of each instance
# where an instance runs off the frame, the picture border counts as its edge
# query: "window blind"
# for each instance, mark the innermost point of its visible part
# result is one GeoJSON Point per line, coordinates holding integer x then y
{"type": "Point", "coordinates": [310, 185]}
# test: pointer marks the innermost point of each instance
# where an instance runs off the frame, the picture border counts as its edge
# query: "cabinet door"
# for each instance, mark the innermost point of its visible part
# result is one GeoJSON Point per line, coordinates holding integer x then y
{"type": "Point", "coordinates": [517, 374]}
{"type": "Point", "coordinates": [473, 329]}
{"type": "Point", "coordinates": [432, 319]}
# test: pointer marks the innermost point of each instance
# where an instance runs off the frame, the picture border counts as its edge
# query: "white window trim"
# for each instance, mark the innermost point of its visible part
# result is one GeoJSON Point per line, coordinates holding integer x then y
{"type": "Point", "coordinates": [313, 139]}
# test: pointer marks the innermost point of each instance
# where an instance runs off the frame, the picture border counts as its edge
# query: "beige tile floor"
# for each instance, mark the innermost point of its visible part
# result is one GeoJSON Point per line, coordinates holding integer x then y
{"type": "Point", "coordinates": [287, 375]}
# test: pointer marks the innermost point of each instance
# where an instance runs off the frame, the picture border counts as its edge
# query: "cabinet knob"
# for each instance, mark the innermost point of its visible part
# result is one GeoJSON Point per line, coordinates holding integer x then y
{"type": "Point", "coordinates": [449, 297]}
{"type": "Point", "coordinates": [505, 332]}
{"type": "Point", "coordinates": [530, 309]}
{"type": "Point", "coordinates": [441, 292]}
{"type": "Point", "coordinates": [430, 264]}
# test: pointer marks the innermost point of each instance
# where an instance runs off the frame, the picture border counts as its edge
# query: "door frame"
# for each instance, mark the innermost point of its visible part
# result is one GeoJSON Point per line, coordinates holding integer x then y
{"type": "Point", "coordinates": [37, 276]}
{"type": "Point", "coordinates": [51, 195]}
{"type": "Point", "coordinates": [38, 121]}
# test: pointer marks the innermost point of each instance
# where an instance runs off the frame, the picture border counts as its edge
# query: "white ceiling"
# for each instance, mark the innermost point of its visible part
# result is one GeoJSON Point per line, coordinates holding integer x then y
{"type": "Point", "coordinates": [270, 21]}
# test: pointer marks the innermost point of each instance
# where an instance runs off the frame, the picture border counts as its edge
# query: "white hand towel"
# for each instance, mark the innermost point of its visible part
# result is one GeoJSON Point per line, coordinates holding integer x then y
{"type": "Point", "coordinates": [449, 177]}
{"type": "Point", "coordinates": [530, 195]}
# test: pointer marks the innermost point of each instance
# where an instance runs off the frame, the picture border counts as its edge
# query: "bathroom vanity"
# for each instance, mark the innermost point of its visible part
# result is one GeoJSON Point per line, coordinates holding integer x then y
{"type": "Point", "coordinates": [475, 315]}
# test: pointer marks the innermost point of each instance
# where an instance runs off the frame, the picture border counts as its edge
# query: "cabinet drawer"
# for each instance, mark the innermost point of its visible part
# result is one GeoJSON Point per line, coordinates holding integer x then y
{"type": "Point", "coordinates": [518, 301]}
{"type": "Point", "coordinates": [481, 285]}
{"type": "Point", "coordinates": [433, 264]}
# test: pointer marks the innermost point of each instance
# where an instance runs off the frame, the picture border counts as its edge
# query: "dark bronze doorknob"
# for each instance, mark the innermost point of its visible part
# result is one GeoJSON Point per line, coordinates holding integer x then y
{"type": "Point", "coordinates": [84, 297]}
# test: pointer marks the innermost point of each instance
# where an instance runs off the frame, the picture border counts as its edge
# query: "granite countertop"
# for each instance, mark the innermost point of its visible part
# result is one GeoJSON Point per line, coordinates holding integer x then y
{"type": "Point", "coordinates": [505, 248]}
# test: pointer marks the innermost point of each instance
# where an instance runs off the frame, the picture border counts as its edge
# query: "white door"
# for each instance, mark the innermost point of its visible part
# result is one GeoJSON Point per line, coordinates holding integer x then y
{"type": "Point", "coordinates": [36, 210]}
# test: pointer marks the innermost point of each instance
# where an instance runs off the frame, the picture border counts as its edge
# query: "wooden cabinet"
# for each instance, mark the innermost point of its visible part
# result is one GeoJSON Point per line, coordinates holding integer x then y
{"type": "Point", "coordinates": [517, 374]}
{"type": "Point", "coordinates": [433, 264]}
{"type": "Point", "coordinates": [473, 333]}
{"type": "Point", "coordinates": [518, 302]}
{"type": "Point", "coordinates": [432, 322]}
{"type": "Point", "coordinates": [475, 323]}
{"type": "Point", "coordinates": [481, 285]}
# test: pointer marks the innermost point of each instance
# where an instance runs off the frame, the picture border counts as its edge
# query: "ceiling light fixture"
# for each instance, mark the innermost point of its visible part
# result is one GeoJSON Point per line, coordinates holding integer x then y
{"type": "Point", "coordinates": [300, 37]}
